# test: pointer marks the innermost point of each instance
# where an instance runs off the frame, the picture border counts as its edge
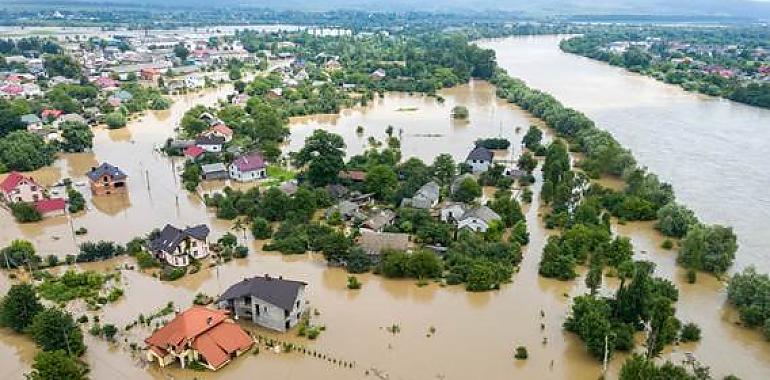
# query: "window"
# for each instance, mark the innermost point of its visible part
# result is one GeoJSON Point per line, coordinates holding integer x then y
{"type": "Point", "coordinates": [247, 300]}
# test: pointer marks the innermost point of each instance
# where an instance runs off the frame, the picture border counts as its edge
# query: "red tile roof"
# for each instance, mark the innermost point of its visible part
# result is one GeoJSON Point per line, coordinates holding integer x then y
{"type": "Point", "coordinates": [48, 205]}
{"type": "Point", "coordinates": [12, 180]}
{"type": "Point", "coordinates": [193, 151]}
{"type": "Point", "coordinates": [223, 129]}
{"type": "Point", "coordinates": [208, 331]}
{"type": "Point", "coordinates": [49, 112]}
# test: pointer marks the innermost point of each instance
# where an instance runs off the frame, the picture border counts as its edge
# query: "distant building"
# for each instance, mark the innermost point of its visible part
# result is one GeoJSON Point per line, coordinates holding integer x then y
{"type": "Point", "coordinates": [211, 144]}
{"type": "Point", "coordinates": [480, 158]}
{"type": "Point", "coordinates": [221, 130]}
{"type": "Point", "coordinates": [107, 179]}
{"type": "Point", "coordinates": [379, 220]}
{"type": "Point", "coordinates": [474, 218]}
{"type": "Point", "coordinates": [426, 197]}
{"type": "Point", "coordinates": [374, 243]}
{"type": "Point", "coordinates": [270, 302]}
{"type": "Point", "coordinates": [248, 167]}
{"type": "Point", "coordinates": [177, 247]}
{"type": "Point", "coordinates": [214, 171]}
{"type": "Point", "coordinates": [201, 335]}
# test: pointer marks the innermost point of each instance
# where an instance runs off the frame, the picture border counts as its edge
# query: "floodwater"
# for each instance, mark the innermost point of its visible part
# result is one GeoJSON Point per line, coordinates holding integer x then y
{"type": "Point", "coordinates": [475, 333]}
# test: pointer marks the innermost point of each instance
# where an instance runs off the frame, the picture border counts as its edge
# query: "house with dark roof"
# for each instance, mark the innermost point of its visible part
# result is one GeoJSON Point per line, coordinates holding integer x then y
{"type": "Point", "coordinates": [214, 171]}
{"type": "Point", "coordinates": [107, 179]}
{"type": "Point", "coordinates": [210, 143]}
{"type": "Point", "coordinates": [248, 167]}
{"type": "Point", "coordinates": [201, 335]}
{"type": "Point", "coordinates": [480, 159]}
{"type": "Point", "coordinates": [270, 302]}
{"type": "Point", "coordinates": [177, 247]}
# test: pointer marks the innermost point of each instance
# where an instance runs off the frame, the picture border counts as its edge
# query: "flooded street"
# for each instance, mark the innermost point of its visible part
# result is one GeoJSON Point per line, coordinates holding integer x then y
{"type": "Point", "coordinates": [475, 333]}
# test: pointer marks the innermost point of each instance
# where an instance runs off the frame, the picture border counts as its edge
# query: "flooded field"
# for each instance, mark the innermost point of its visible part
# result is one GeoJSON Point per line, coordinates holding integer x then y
{"type": "Point", "coordinates": [475, 333]}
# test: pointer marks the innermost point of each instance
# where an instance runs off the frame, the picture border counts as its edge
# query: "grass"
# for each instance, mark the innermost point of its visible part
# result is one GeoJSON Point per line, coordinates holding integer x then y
{"type": "Point", "coordinates": [280, 174]}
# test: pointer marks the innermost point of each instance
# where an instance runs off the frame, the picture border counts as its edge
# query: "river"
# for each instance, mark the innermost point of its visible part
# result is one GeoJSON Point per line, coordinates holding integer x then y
{"type": "Point", "coordinates": [475, 333]}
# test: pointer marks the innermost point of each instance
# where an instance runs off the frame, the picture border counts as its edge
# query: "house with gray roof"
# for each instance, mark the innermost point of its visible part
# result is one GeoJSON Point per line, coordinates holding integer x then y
{"type": "Point", "coordinates": [379, 220]}
{"type": "Point", "coordinates": [270, 302]}
{"type": "Point", "coordinates": [426, 197]}
{"type": "Point", "coordinates": [348, 210]}
{"type": "Point", "coordinates": [480, 159]}
{"type": "Point", "coordinates": [214, 171]}
{"type": "Point", "coordinates": [473, 217]}
{"type": "Point", "coordinates": [375, 243]}
{"type": "Point", "coordinates": [178, 246]}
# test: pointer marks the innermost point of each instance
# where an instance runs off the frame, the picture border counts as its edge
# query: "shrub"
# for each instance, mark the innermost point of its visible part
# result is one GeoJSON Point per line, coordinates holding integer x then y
{"type": "Point", "coordinates": [261, 229]}
{"type": "Point", "coordinates": [521, 353]}
{"type": "Point", "coordinates": [667, 244]}
{"type": "Point", "coordinates": [353, 283]}
{"type": "Point", "coordinates": [115, 120]}
{"type": "Point", "coordinates": [690, 333]}
{"type": "Point", "coordinates": [170, 273]}
{"type": "Point", "coordinates": [25, 212]}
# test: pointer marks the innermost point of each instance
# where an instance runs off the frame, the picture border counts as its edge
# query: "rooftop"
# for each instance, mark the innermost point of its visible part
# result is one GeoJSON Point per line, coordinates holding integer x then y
{"type": "Point", "coordinates": [276, 291]}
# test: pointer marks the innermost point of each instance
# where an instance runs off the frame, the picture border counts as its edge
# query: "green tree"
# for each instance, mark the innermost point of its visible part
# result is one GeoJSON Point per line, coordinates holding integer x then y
{"type": "Point", "coordinates": [527, 162]}
{"type": "Point", "coordinates": [637, 367]}
{"type": "Point", "coordinates": [533, 138]}
{"type": "Point", "coordinates": [19, 307]}
{"type": "Point", "coordinates": [466, 191]}
{"type": "Point", "coordinates": [382, 181]}
{"type": "Point", "coordinates": [115, 120]}
{"type": "Point", "coordinates": [708, 248]}
{"type": "Point", "coordinates": [323, 154]}
{"type": "Point", "coordinates": [181, 52]}
{"type": "Point", "coordinates": [261, 229]}
{"type": "Point", "coordinates": [62, 65]}
{"type": "Point", "coordinates": [53, 329]}
{"type": "Point", "coordinates": [77, 136]}
{"type": "Point", "coordinates": [444, 168]}
{"type": "Point", "coordinates": [20, 253]}
{"type": "Point", "coordinates": [76, 201]}
{"type": "Point", "coordinates": [57, 365]}
{"type": "Point", "coordinates": [24, 151]}
{"type": "Point", "coordinates": [674, 220]}
{"type": "Point", "coordinates": [508, 208]}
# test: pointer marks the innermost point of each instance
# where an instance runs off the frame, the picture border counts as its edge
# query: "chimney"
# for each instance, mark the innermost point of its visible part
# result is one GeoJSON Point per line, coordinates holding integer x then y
{"type": "Point", "coordinates": [280, 277]}
{"type": "Point", "coordinates": [93, 168]}
{"type": "Point", "coordinates": [208, 321]}
{"type": "Point", "coordinates": [267, 276]}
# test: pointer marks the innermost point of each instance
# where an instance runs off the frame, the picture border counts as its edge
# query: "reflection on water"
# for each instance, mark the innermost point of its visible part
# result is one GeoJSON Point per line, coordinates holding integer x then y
{"type": "Point", "coordinates": [476, 333]}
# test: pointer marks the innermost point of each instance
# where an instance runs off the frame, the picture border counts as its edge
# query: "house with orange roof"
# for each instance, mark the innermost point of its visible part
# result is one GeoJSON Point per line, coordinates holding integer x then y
{"type": "Point", "coordinates": [220, 130]}
{"type": "Point", "coordinates": [198, 335]}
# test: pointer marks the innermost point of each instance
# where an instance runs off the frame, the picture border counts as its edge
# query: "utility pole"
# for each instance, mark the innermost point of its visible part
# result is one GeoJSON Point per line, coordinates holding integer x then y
{"type": "Point", "coordinates": [606, 352]}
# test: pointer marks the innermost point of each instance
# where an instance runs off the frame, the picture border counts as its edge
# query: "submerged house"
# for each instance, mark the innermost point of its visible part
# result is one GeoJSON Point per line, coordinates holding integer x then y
{"type": "Point", "coordinates": [107, 179]}
{"type": "Point", "coordinates": [270, 302]}
{"type": "Point", "coordinates": [177, 247]}
{"type": "Point", "coordinates": [248, 167]}
{"type": "Point", "coordinates": [17, 187]}
{"type": "Point", "coordinates": [375, 243]}
{"type": "Point", "coordinates": [201, 335]}
{"type": "Point", "coordinates": [475, 218]}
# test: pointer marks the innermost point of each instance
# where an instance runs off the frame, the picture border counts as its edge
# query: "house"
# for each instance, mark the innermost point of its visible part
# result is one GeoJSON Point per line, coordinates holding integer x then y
{"type": "Point", "coordinates": [177, 247]}
{"type": "Point", "coordinates": [105, 83]}
{"type": "Point", "coordinates": [332, 65]}
{"type": "Point", "coordinates": [193, 152]}
{"type": "Point", "coordinates": [51, 207]}
{"type": "Point", "coordinates": [353, 175]}
{"type": "Point", "coordinates": [378, 74]}
{"type": "Point", "coordinates": [33, 123]}
{"type": "Point", "coordinates": [480, 158]}
{"type": "Point", "coordinates": [193, 81]}
{"type": "Point", "coordinates": [347, 210]}
{"type": "Point", "coordinates": [214, 171]}
{"type": "Point", "coordinates": [198, 334]}
{"type": "Point", "coordinates": [248, 167]}
{"type": "Point", "coordinates": [426, 197]}
{"type": "Point", "coordinates": [375, 243]}
{"type": "Point", "coordinates": [270, 302]}
{"type": "Point", "coordinates": [211, 144]}
{"type": "Point", "coordinates": [337, 191]}
{"type": "Point", "coordinates": [70, 117]}
{"type": "Point", "coordinates": [19, 188]}
{"type": "Point", "coordinates": [107, 179]}
{"type": "Point", "coordinates": [475, 218]}
{"type": "Point", "coordinates": [11, 90]}
{"type": "Point", "coordinates": [379, 220]}
{"type": "Point", "coordinates": [275, 93]}
{"type": "Point", "coordinates": [50, 114]}
{"type": "Point", "coordinates": [221, 130]}
{"type": "Point", "coordinates": [149, 73]}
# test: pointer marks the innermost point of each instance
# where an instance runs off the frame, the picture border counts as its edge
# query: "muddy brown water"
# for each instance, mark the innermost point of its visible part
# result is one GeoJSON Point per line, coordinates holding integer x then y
{"type": "Point", "coordinates": [475, 333]}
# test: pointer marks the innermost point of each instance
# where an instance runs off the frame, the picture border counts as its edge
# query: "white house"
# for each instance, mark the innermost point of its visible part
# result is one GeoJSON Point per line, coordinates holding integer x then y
{"type": "Point", "coordinates": [177, 247]}
{"type": "Point", "coordinates": [193, 81]}
{"type": "Point", "coordinates": [426, 197]}
{"type": "Point", "coordinates": [480, 159]}
{"type": "Point", "coordinates": [248, 167]}
{"type": "Point", "coordinates": [19, 188]}
{"type": "Point", "coordinates": [270, 302]}
{"type": "Point", "coordinates": [210, 143]}
{"type": "Point", "coordinates": [475, 218]}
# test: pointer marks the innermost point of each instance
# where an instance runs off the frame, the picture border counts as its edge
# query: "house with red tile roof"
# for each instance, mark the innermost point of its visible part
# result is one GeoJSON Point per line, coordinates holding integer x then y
{"type": "Point", "coordinates": [248, 167]}
{"type": "Point", "coordinates": [17, 187]}
{"type": "Point", "coordinates": [221, 130]}
{"type": "Point", "coordinates": [51, 207]}
{"type": "Point", "coordinates": [201, 335]}
{"type": "Point", "coordinates": [50, 113]}
{"type": "Point", "coordinates": [193, 151]}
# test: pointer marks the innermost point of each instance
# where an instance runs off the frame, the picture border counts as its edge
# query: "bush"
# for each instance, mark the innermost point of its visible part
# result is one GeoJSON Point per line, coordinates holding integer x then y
{"type": "Point", "coordinates": [55, 365]}
{"type": "Point", "coordinates": [170, 273]}
{"type": "Point", "coordinates": [115, 120]}
{"type": "Point", "coordinates": [261, 229]}
{"type": "Point", "coordinates": [20, 253]}
{"type": "Point", "coordinates": [240, 252]}
{"type": "Point", "coordinates": [353, 283]}
{"type": "Point", "coordinates": [25, 212]}
{"type": "Point", "coordinates": [146, 260]}
{"type": "Point", "coordinates": [667, 244]}
{"type": "Point", "coordinates": [521, 353]}
{"type": "Point", "coordinates": [76, 201]}
{"type": "Point", "coordinates": [690, 333]}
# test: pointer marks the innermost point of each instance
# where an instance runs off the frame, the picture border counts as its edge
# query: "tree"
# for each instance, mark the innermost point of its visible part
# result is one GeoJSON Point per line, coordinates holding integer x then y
{"type": "Point", "coordinates": [53, 329]}
{"type": "Point", "coordinates": [444, 168]}
{"type": "Point", "coordinates": [594, 276]}
{"type": "Point", "coordinates": [358, 261]}
{"type": "Point", "coordinates": [382, 181]}
{"type": "Point", "coordinates": [533, 138]}
{"type": "Point", "coordinates": [19, 307]}
{"type": "Point", "coordinates": [57, 365]}
{"type": "Point", "coordinates": [637, 367]}
{"type": "Point", "coordinates": [527, 162]}
{"type": "Point", "coordinates": [77, 136]}
{"type": "Point", "coordinates": [466, 191]}
{"type": "Point", "coordinates": [25, 212]}
{"type": "Point", "coordinates": [181, 52]}
{"type": "Point", "coordinates": [19, 254]}
{"type": "Point", "coordinates": [115, 120]}
{"type": "Point", "coordinates": [424, 264]}
{"type": "Point", "coordinates": [708, 248]}
{"type": "Point", "coordinates": [508, 208]}
{"type": "Point", "coordinates": [690, 333]}
{"type": "Point", "coordinates": [76, 201]}
{"type": "Point", "coordinates": [323, 154]}
{"type": "Point", "coordinates": [261, 229]}
{"type": "Point", "coordinates": [24, 151]}
{"type": "Point", "coordinates": [674, 220]}
{"type": "Point", "coordinates": [62, 65]}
